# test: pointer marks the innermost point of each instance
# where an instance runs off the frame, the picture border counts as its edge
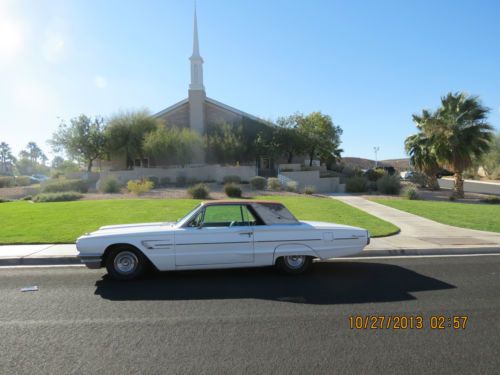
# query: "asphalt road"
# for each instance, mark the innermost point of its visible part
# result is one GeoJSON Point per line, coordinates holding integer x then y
{"type": "Point", "coordinates": [253, 320]}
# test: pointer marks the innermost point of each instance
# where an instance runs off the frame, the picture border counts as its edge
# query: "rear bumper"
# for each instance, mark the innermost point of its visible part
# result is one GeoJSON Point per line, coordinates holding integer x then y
{"type": "Point", "coordinates": [92, 262]}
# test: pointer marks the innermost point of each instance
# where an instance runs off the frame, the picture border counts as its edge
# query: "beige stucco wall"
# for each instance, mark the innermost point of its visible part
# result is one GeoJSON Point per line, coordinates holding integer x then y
{"type": "Point", "coordinates": [312, 178]}
{"type": "Point", "coordinates": [200, 173]}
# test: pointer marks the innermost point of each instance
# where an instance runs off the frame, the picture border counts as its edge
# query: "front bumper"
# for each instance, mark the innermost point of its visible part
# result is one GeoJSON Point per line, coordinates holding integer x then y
{"type": "Point", "coordinates": [92, 262]}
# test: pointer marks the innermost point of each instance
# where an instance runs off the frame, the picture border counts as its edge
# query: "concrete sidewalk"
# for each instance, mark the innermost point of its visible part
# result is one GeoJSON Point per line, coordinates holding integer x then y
{"type": "Point", "coordinates": [420, 235]}
{"type": "Point", "coordinates": [48, 254]}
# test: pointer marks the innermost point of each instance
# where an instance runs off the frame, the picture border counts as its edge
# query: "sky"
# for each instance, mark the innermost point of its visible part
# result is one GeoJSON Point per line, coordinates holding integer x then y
{"type": "Point", "coordinates": [368, 64]}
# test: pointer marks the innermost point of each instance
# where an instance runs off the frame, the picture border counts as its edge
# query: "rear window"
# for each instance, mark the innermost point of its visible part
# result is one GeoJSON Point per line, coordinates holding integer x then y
{"type": "Point", "coordinates": [272, 213]}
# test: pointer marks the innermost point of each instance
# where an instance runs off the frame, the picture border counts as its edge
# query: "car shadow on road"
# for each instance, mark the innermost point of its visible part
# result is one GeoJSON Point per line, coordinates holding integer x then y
{"type": "Point", "coordinates": [327, 283]}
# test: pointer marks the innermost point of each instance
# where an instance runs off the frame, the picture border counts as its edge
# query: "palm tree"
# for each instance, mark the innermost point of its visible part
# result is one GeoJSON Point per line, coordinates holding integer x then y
{"type": "Point", "coordinates": [459, 133]}
{"type": "Point", "coordinates": [422, 156]}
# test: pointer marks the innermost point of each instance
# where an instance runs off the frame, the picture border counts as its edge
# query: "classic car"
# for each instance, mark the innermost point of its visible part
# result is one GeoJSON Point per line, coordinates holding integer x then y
{"type": "Point", "coordinates": [220, 234]}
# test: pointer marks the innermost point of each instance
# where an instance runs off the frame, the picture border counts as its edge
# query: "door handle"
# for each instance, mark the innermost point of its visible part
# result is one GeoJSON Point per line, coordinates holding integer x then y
{"type": "Point", "coordinates": [247, 233]}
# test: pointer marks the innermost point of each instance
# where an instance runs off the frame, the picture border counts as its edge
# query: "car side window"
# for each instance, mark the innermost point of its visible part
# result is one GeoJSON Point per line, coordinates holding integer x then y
{"type": "Point", "coordinates": [228, 215]}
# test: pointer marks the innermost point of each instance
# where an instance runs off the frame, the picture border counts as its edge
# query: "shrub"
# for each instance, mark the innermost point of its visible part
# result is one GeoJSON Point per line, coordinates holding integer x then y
{"type": "Point", "coordinates": [337, 168]}
{"type": "Point", "coordinates": [350, 172]}
{"type": "Point", "coordinates": [273, 184]}
{"type": "Point", "coordinates": [155, 180]}
{"type": "Point", "coordinates": [371, 186]}
{"type": "Point", "coordinates": [57, 174]}
{"type": "Point", "coordinates": [27, 198]}
{"type": "Point", "coordinates": [181, 180]}
{"type": "Point", "coordinates": [491, 200]}
{"type": "Point", "coordinates": [389, 184]}
{"type": "Point", "coordinates": [356, 184]}
{"type": "Point", "coordinates": [164, 181]}
{"type": "Point", "coordinates": [309, 190]}
{"type": "Point", "coordinates": [232, 190]}
{"type": "Point", "coordinates": [452, 198]}
{"type": "Point", "coordinates": [110, 185]}
{"type": "Point", "coordinates": [139, 186]}
{"type": "Point", "coordinates": [258, 183]}
{"type": "Point", "coordinates": [5, 200]}
{"type": "Point", "coordinates": [374, 174]}
{"type": "Point", "coordinates": [6, 181]}
{"type": "Point", "coordinates": [419, 179]}
{"type": "Point", "coordinates": [410, 192]}
{"type": "Point", "coordinates": [231, 179]}
{"type": "Point", "coordinates": [58, 197]}
{"type": "Point", "coordinates": [292, 186]}
{"type": "Point", "coordinates": [199, 191]}
{"type": "Point", "coordinates": [62, 185]}
{"type": "Point", "coordinates": [23, 181]}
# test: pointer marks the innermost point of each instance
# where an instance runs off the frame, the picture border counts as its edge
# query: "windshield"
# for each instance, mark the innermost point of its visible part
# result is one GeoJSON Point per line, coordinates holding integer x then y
{"type": "Point", "coordinates": [184, 219]}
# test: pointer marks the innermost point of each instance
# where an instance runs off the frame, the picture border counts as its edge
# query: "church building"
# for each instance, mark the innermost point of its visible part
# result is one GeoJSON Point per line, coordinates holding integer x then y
{"type": "Point", "coordinates": [198, 111]}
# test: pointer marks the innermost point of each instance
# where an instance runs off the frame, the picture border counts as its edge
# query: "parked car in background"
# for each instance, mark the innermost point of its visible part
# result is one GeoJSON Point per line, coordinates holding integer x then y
{"type": "Point", "coordinates": [220, 234]}
{"type": "Point", "coordinates": [37, 178]}
{"type": "Point", "coordinates": [406, 175]}
{"type": "Point", "coordinates": [443, 173]}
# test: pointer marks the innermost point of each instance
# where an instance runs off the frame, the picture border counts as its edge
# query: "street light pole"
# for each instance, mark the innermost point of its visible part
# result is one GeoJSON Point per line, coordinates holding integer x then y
{"type": "Point", "coordinates": [376, 149]}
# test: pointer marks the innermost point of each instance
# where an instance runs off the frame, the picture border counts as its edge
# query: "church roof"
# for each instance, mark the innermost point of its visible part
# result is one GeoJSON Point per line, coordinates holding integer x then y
{"type": "Point", "coordinates": [173, 107]}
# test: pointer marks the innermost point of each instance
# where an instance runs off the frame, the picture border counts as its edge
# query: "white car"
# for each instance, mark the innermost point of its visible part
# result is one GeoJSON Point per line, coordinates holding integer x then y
{"type": "Point", "coordinates": [220, 234]}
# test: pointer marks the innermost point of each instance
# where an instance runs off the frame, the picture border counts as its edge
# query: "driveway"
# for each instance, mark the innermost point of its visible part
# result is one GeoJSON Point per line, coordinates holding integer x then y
{"type": "Point", "coordinates": [418, 232]}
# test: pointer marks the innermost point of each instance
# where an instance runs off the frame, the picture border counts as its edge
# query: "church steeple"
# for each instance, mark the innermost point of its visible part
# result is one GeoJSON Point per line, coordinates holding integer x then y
{"type": "Point", "coordinates": [196, 60]}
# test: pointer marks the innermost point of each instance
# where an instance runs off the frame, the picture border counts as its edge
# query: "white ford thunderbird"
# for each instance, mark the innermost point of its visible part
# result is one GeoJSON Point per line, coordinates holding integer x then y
{"type": "Point", "coordinates": [220, 234]}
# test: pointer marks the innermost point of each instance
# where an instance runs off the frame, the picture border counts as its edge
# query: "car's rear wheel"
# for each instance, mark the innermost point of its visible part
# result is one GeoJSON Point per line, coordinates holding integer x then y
{"type": "Point", "coordinates": [294, 264]}
{"type": "Point", "coordinates": [125, 263]}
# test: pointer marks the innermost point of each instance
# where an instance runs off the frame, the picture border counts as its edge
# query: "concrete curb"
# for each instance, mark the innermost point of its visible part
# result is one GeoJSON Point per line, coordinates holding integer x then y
{"type": "Point", "coordinates": [66, 260]}
{"type": "Point", "coordinates": [47, 261]}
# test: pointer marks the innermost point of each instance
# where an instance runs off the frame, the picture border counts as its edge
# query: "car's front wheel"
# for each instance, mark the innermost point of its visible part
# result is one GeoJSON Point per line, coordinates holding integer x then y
{"type": "Point", "coordinates": [294, 264]}
{"type": "Point", "coordinates": [125, 263]}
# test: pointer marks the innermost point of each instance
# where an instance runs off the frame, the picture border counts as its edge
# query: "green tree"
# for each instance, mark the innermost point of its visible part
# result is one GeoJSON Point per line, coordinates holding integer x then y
{"type": "Point", "coordinates": [7, 159]}
{"type": "Point", "coordinates": [422, 156]}
{"type": "Point", "coordinates": [224, 142]}
{"type": "Point", "coordinates": [459, 133]}
{"type": "Point", "coordinates": [171, 145]}
{"type": "Point", "coordinates": [126, 132]}
{"type": "Point", "coordinates": [82, 139]}
{"type": "Point", "coordinates": [491, 160]}
{"type": "Point", "coordinates": [33, 153]}
{"type": "Point", "coordinates": [63, 166]}
{"type": "Point", "coordinates": [189, 146]}
{"type": "Point", "coordinates": [287, 139]}
{"type": "Point", "coordinates": [320, 136]}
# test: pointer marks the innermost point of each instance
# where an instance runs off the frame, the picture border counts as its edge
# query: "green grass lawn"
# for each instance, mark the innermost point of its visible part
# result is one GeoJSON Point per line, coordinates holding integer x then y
{"type": "Point", "coordinates": [465, 215]}
{"type": "Point", "coordinates": [63, 222]}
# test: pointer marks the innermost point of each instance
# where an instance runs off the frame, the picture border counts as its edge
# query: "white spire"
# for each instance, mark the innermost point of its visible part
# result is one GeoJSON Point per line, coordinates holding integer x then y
{"type": "Point", "coordinates": [196, 60]}
{"type": "Point", "coordinates": [196, 47]}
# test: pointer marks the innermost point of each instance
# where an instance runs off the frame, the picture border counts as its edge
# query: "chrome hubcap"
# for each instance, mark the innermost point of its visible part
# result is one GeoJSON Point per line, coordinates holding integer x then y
{"type": "Point", "coordinates": [126, 262]}
{"type": "Point", "coordinates": [295, 261]}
